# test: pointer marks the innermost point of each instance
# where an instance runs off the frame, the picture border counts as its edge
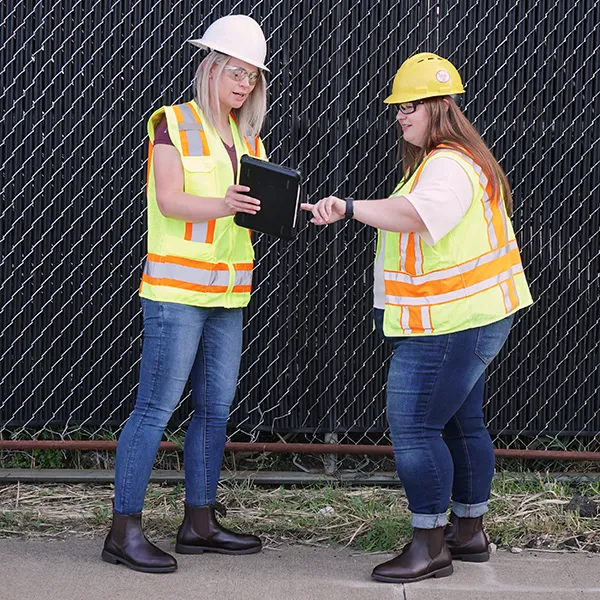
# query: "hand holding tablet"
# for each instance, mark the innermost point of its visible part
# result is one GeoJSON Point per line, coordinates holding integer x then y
{"type": "Point", "coordinates": [278, 189]}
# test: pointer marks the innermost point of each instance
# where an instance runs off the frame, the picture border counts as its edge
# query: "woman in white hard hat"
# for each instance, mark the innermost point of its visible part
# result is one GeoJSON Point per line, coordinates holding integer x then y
{"type": "Point", "coordinates": [196, 280]}
{"type": "Point", "coordinates": [448, 278]}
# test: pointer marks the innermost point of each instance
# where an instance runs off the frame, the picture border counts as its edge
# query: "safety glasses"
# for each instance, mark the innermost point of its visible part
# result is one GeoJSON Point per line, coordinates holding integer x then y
{"type": "Point", "coordinates": [407, 108]}
{"type": "Point", "coordinates": [239, 74]}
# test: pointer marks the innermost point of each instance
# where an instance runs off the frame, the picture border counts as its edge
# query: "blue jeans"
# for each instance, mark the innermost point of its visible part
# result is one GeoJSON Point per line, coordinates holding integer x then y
{"type": "Point", "coordinates": [434, 408]}
{"type": "Point", "coordinates": [180, 341]}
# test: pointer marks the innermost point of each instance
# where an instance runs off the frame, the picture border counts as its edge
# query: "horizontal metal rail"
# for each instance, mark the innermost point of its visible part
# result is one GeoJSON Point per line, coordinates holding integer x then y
{"type": "Point", "coordinates": [282, 447]}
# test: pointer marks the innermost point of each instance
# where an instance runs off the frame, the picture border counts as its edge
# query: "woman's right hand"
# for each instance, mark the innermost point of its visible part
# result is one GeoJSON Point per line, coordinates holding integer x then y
{"type": "Point", "coordinates": [326, 211]}
{"type": "Point", "coordinates": [237, 201]}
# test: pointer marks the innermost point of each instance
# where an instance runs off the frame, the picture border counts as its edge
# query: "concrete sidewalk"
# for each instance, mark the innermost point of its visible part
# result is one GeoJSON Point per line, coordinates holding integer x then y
{"type": "Point", "coordinates": [72, 569]}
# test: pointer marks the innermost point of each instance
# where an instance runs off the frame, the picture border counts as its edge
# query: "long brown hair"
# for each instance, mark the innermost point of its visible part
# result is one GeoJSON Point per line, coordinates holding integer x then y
{"type": "Point", "coordinates": [448, 125]}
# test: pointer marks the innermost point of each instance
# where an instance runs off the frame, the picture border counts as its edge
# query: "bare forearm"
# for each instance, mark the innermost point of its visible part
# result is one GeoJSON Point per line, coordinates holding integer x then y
{"type": "Point", "coordinates": [174, 203]}
{"type": "Point", "coordinates": [190, 208]}
{"type": "Point", "coordinates": [390, 214]}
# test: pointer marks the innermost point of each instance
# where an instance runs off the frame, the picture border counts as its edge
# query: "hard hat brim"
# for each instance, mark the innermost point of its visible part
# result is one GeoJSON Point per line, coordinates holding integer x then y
{"type": "Point", "coordinates": [400, 98]}
{"type": "Point", "coordinates": [213, 46]}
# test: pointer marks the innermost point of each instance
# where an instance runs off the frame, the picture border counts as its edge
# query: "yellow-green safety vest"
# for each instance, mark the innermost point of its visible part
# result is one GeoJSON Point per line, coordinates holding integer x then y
{"type": "Point", "coordinates": [205, 264]}
{"type": "Point", "coordinates": [473, 276]}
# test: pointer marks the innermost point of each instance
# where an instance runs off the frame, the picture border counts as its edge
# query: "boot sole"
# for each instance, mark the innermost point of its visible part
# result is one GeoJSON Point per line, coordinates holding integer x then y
{"type": "Point", "coordinates": [445, 572]}
{"type": "Point", "coordinates": [114, 560]}
{"type": "Point", "coordinates": [184, 549]}
{"type": "Point", "coordinates": [477, 558]}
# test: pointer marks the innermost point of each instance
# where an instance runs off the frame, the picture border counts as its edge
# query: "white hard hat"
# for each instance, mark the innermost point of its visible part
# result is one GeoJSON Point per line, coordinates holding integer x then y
{"type": "Point", "coordinates": [238, 36]}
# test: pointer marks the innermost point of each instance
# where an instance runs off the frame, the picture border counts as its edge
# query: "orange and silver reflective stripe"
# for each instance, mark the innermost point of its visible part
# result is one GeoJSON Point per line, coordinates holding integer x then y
{"type": "Point", "coordinates": [411, 244]}
{"type": "Point", "coordinates": [456, 270]}
{"type": "Point", "coordinates": [195, 275]}
{"type": "Point", "coordinates": [253, 151]}
{"type": "Point", "coordinates": [460, 294]}
{"type": "Point", "coordinates": [194, 143]}
{"type": "Point", "coordinates": [411, 253]}
{"type": "Point", "coordinates": [185, 273]}
{"type": "Point", "coordinates": [511, 297]}
{"type": "Point", "coordinates": [191, 131]}
{"type": "Point", "coordinates": [203, 232]}
{"type": "Point", "coordinates": [149, 167]}
{"type": "Point", "coordinates": [242, 281]}
{"type": "Point", "coordinates": [455, 295]}
{"type": "Point", "coordinates": [453, 279]}
{"type": "Point", "coordinates": [415, 319]}
{"type": "Point", "coordinates": [494, 215]}
{"type": "Point", "coordinates": [176, 269]}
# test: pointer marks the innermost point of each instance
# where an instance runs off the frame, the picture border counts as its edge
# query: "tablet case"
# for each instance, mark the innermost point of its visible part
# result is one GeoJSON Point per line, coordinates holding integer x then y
{"type": "Point", "coordinates": [278, 189]}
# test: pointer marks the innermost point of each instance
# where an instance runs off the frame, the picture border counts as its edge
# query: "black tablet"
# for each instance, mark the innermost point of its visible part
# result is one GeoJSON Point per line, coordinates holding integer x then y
{"type": "Point", "coordinates": [278, 189]}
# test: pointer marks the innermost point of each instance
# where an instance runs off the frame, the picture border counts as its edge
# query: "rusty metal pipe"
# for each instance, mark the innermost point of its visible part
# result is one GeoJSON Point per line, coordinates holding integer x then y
{"type": "Point", "coordinates": [282, 447]}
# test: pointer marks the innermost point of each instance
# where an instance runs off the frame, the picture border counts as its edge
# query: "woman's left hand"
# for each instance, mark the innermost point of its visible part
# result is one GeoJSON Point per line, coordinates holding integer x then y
{"type": "Point", "coordinates": [326, 211]}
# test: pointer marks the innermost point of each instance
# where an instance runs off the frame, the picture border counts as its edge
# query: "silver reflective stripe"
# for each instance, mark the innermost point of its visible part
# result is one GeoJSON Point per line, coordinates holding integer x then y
{"type": "Point", "coordinates": [188, 115]}
{"type": "Point", "coordinates": [404, 320]}
{"type": "Point", "coordinates": [197, 276]}
{"type": "Point", "coordinates": [504, 217]}
{"type": "Point", "coordinates": [379, 273]}
{"type": "Point", "coordinates": [418, 255]}
{"type": "Point", "coordinates": [191, 129]}
{"type": "Point", "coordinates": [507, 301]}
{"type": "Point", "coordinates": [487, 203]}
{"type": "Point", "coordinates": [403, 246]}
{"type": "Point", "coordinates": [426, 319]}
{"type": "Point", "coordinates": [194, 143]}
{"type": "Point", "coordinates": [199, 232]}
{"type": "Point", "coordinates": [451, 271]}
{"type": "Point", "coordinates": [191, 126]}
{"type": "Point", "coordinates": [456, 295]}
{"type": "Point", "coordinates": [253, 144]}
{"type": "Point", "coordinates": [404, 239]}
{"type": "Point", "coordinates": [243, 278]}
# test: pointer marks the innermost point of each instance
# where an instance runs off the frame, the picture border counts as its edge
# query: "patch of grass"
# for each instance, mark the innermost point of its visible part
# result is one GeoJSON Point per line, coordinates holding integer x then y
{"type": "Point", "coordinates": [385, 534]}
{"type": "Point", "coordinates": [528, 513]}
{"type": "Point", "coordinates": [101, 515]}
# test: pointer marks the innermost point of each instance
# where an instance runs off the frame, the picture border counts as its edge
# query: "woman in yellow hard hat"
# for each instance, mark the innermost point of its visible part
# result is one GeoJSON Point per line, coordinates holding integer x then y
{"type": "Point", "coordinates": [196, 280]}
{"type": "Point", "coordinates": [448, 279]}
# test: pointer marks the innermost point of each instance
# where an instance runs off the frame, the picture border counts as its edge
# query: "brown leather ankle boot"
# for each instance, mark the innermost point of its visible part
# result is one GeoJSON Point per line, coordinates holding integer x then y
{"type": "Point", "coordinates": [466, 539]}
{"type": "Point", "coordinates": [426, 556]}
{"type": "Point", "coordinates": [127, 544]}
{"type": "Point", "coordinates": [201, 532]}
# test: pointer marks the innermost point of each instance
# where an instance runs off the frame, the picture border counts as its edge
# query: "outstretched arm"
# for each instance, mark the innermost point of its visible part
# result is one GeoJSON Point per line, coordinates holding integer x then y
{"type": "Point", "coordinates": [390, 214]}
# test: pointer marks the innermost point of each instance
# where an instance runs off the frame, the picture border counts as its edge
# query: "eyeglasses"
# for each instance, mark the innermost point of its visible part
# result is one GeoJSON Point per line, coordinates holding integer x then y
{"type": "Point", "coordinates": [408, 108]}
{"type": "Point", "coordinates": [239, 74]}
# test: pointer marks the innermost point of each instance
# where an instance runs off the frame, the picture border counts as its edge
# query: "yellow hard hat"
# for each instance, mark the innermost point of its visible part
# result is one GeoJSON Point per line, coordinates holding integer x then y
{"type": "Point", "coordinates": [425, 75]}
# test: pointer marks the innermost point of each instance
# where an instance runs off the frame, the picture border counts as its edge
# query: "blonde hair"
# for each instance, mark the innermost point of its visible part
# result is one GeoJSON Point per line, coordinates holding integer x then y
{"type": "Point", "coordinates": [448, 125]}
{"type": "Point", "coordinates": [249, 117]}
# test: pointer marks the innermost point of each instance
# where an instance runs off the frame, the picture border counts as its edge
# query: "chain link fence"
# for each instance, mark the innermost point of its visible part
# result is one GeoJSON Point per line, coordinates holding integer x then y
{"type": "Point", "coordinates": [81, 77]}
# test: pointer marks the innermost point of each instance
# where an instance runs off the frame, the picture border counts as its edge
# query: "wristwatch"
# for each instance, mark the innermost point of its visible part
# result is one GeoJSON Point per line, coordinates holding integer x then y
{"type": "Point", "coordinates": [349, 208]}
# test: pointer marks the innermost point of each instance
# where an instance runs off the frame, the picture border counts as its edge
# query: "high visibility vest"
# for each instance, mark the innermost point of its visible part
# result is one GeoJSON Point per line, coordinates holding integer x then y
{"type": "Point", "coordinates": [205, 264]}
{"type": "Point", "coordinates": [473, 276]}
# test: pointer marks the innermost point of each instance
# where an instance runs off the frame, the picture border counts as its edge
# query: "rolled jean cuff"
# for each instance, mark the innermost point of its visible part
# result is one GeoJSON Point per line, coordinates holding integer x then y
{"type": "Point", "coordinates": [428, 521]}
{"type": "Point", "coordinates": [469, 511]}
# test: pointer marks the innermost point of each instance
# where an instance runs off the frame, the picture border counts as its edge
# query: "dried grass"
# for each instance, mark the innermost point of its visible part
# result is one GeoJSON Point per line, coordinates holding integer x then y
{"type": "Point", "coordinates": [523, 514]}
